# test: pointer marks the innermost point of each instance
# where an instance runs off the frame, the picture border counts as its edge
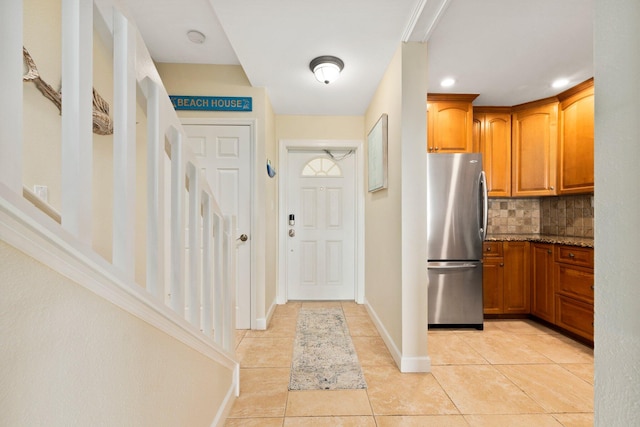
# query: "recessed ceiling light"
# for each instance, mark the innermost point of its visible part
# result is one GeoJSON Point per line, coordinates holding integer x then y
{"type": "Point", "coordinates": [448, 82]}
{"type": "Point", "coordinates": [557, 84]}
{"type": "Point", "coordinates": [196, 36]}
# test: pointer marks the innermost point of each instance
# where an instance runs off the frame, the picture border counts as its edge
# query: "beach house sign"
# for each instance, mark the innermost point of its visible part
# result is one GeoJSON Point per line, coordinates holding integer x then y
{"type": "Point", "coordinates": [211, 103]}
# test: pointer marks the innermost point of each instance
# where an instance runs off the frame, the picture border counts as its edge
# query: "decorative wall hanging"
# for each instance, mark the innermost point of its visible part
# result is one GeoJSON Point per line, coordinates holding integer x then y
{"type": "Point", "coordinates": [271, 171]}
{"type": "Point", "coordinates": [377, 150]}
{"type": "Point", "coordinates": [102, 123]}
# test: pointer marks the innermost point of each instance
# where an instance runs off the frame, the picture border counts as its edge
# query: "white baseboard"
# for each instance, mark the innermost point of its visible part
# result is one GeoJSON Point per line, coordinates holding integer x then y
{"type": "Point", "coordinates": [415, 364]}
{"type": "Point", "coordinates": [395, 353]}
{"type": "Point", "coordinates": [229, 399]}
{"type": "Point", "coordinates": [405, 364]}
{"type": "Point", "coordinates": [263, 322]}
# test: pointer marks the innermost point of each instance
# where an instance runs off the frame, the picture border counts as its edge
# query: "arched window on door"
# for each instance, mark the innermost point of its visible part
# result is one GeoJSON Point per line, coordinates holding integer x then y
{"type": "Point", "coordinates": [321, 167]}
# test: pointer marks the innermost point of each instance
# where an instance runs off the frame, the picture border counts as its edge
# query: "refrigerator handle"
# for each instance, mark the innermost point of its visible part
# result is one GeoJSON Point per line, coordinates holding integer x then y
{"type": "Point", "coordinates": [485, 204]}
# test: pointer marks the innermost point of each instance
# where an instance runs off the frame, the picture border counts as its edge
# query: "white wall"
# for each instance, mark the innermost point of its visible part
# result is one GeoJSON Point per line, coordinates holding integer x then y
{"type": "Point", "coordinates": [617, 206]}
{"type": "Point", "coordinates": [69, 358]}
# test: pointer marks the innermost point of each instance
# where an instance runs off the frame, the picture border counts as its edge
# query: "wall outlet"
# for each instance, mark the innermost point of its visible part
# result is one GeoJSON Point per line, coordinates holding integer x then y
{"type": "Point", "coordinates": [42, 191]}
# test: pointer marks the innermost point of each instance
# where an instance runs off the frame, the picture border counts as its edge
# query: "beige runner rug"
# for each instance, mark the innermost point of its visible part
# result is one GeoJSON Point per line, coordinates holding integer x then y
{"type": "Point", "coordinates": [323, 356]}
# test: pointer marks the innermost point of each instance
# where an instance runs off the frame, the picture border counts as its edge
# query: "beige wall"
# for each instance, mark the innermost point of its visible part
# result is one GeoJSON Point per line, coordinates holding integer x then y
{"type": "Point", "coordinates": [395, 223]}
{"type": "Point", "coordinates": [383, 227]}
{"type": "Point", "coordinates": [70, 358]}
{"type": "Point", "coordinates": [42, 129]}
{"type": "Point", "coordinates": [319, 127]}
{"type": "Point", "coordinates": [230, 80]}
{"type": "Point", "coordinates": [42, 121]}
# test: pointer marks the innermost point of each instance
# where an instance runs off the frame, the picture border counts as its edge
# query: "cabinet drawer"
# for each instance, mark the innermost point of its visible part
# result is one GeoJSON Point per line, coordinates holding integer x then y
{"type": "Point", "coordinates": [492, 249]}
{"type": "Point", "coordinates": [575, 255]}
{"type": "Point", "coordinates": [574, 316]}
{"type": "Point", "coordinates": [576, 282]}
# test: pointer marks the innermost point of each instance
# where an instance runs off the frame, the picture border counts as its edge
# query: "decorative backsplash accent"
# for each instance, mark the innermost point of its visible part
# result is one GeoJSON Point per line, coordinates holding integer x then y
{"type": "Point", "coordinates": [514, 216]}
{"type": "Point", "coordinates": [567, 215]}
{"type": "Point", "coordinates": [557, 216]}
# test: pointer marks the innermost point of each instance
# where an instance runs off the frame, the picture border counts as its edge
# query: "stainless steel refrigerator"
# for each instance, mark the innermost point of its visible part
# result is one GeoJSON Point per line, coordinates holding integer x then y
{"type": "Point", "coordinates": [456, 227]}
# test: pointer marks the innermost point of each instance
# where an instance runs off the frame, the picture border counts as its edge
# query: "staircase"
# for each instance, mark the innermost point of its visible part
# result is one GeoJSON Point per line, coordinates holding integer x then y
{"type": "Point", "coordinates": [109, 317]}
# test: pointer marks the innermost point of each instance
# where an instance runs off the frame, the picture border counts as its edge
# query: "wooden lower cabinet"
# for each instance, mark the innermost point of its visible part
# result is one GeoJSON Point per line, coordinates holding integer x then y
{"type": "Point", "coordinates": [552, 282]}
{"type": "Point", "coordinates": [574, 290]}
{"type": "Point", "coordinates": [542, 288]}
{"type": "Point", "coordinates": [517, 290]}
{"type": "Point", "coordinates": [492, 285]}
{"type": "Point", "coordinates": [575, 316]}
{"type": "Point", "coordinates": [506, 278]}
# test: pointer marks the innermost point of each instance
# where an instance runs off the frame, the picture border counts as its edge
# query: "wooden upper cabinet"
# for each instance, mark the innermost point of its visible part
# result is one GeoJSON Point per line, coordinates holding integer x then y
{"type": "Point", "coordinates": [450, 123]}
{"type": "Point", "coordinates": [534, 144]}
{"type": "Point", "coordinates": [575, 140]}
{"type": "Point", "coordinates": [492, 134]}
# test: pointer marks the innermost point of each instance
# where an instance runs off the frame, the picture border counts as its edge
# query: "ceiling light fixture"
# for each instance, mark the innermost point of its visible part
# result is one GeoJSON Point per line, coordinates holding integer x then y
{"type": "Point", "coordinates": [557, 84]}
{"type": "Point", "coordinates": [448, 82]}
{"type": "Point", "coordinates": [196, 36]}
{"type": "Point", "coordinates": [326, 68]}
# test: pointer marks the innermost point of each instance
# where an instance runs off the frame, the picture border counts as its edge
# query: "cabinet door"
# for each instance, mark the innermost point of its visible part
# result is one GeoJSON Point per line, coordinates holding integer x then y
{"type": "Point", "coordinates": [575, 316]}
{"type": "Point", "coordinates": [517, 291]}
{"type": "Point", "coordinates": [450, 127]}
{"type": "Point", "coordinates": [492, 285]}
{"type": "Point", "coordinates": [542, 289]}
{"type": "Point", "coordinates": [575, 154]}
{"type": "Point", "coordinates": [495, 145]}
{"type": "Point", "coordinates": [534, 140]}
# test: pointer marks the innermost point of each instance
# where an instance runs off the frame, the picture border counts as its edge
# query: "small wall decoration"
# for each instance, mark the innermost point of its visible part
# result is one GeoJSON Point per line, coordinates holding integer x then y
{"type": "Point", "coordinates": [271, 171]}
{"type": "Point", "coordinates": [377, 150]}
{"type": "Point", "coordinates": [212, 103]}
{"type": "Point", "coordinates": [102, 123]}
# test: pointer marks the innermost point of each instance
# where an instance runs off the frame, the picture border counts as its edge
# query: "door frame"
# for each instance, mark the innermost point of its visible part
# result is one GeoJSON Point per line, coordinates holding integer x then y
{"type": "Point", "coordinates": [315, 145]}
{"type": "Point", "coordinates": [255, 231]}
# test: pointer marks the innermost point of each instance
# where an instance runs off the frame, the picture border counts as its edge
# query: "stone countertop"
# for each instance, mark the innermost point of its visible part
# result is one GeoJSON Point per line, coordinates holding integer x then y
{"type": "Point", "coordinates": [585, 242]}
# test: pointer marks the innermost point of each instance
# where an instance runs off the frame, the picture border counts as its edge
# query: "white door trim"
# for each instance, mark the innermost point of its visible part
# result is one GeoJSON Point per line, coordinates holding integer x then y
{"type": "Point", "coordinates": [252, 123]}
{"type": "Point", "coordinates": [315, 144]}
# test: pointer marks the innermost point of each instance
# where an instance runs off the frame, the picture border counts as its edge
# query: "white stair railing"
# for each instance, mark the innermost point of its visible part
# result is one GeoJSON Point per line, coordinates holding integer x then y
{"type": "Point", "coordinates": [200, 285]}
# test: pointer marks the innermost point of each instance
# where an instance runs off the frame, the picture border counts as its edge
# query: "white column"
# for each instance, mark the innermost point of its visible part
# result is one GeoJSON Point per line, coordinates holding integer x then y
{"type": "Point", "coordinates": [155, 193]}
{"type": "Point", "coordinates": [177, 223]}
{"type": "Point", "coordinates": [207, 265]}
{"type": "Point", "coordinates": [124, 145]}
{"type": "Point", "coordinates": [229, 289]}
{"type": "Point", "coordinates": [617, 212]}
{"type": "Point", "coordinates": [195, 273]}
{"type": "Point", "coordinates": [77, 118]}
{"type": "Point", "coordinates": [219, 278]}
{"type": "Point", "coordinates": [11, 89]}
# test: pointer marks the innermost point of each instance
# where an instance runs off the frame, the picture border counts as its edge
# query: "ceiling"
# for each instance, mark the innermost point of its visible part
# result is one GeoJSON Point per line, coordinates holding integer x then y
{"type": "Point", "coordinates": [507, 51]}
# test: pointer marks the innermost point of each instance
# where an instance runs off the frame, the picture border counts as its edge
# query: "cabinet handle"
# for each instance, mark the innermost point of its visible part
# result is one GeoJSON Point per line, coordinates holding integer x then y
{"type": "Point", "coordinates": [571, 255]}
{"type": "Point", "coordinates": [551, 188]}
{"type": "Point", "coordinates": [592, 287]}
{"type": "Point", "coordinates": [489, 249]}
{"type": "Point", "coordinates": [549, 251]}
{"type": "Point", "coordinates": [502, 264]}
{"type": "Point", "coordinates": [437, 148]}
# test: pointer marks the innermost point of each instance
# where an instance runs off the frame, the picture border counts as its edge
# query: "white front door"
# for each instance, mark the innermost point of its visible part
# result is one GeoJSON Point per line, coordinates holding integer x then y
{"type": "Point", "coordinates": [225, 153]}
{"type": "Point", "coordinates": [321, 207]}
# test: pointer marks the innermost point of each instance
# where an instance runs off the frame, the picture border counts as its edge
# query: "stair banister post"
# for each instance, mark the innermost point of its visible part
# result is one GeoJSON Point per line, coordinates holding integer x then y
{"type": "Point", "coordinates": [11, 18]}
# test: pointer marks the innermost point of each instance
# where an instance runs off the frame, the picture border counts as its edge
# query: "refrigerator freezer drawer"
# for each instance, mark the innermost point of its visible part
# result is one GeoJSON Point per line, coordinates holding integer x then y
{"type": "Point", "coordinates": [455, 294]}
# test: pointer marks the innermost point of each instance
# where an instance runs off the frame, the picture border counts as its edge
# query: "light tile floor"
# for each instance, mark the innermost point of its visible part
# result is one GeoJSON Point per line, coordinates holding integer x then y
{"type": "Point", "coordinates": [514, 373]}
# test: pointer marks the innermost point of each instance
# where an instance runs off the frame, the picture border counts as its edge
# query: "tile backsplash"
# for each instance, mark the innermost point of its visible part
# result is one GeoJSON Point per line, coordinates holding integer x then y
{"type": "Point", "coordinates": [558, 216]}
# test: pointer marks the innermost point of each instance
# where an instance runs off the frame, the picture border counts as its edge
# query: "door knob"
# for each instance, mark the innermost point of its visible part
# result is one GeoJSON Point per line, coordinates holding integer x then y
{"type": "Point", "coordinates": [243, 238]}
